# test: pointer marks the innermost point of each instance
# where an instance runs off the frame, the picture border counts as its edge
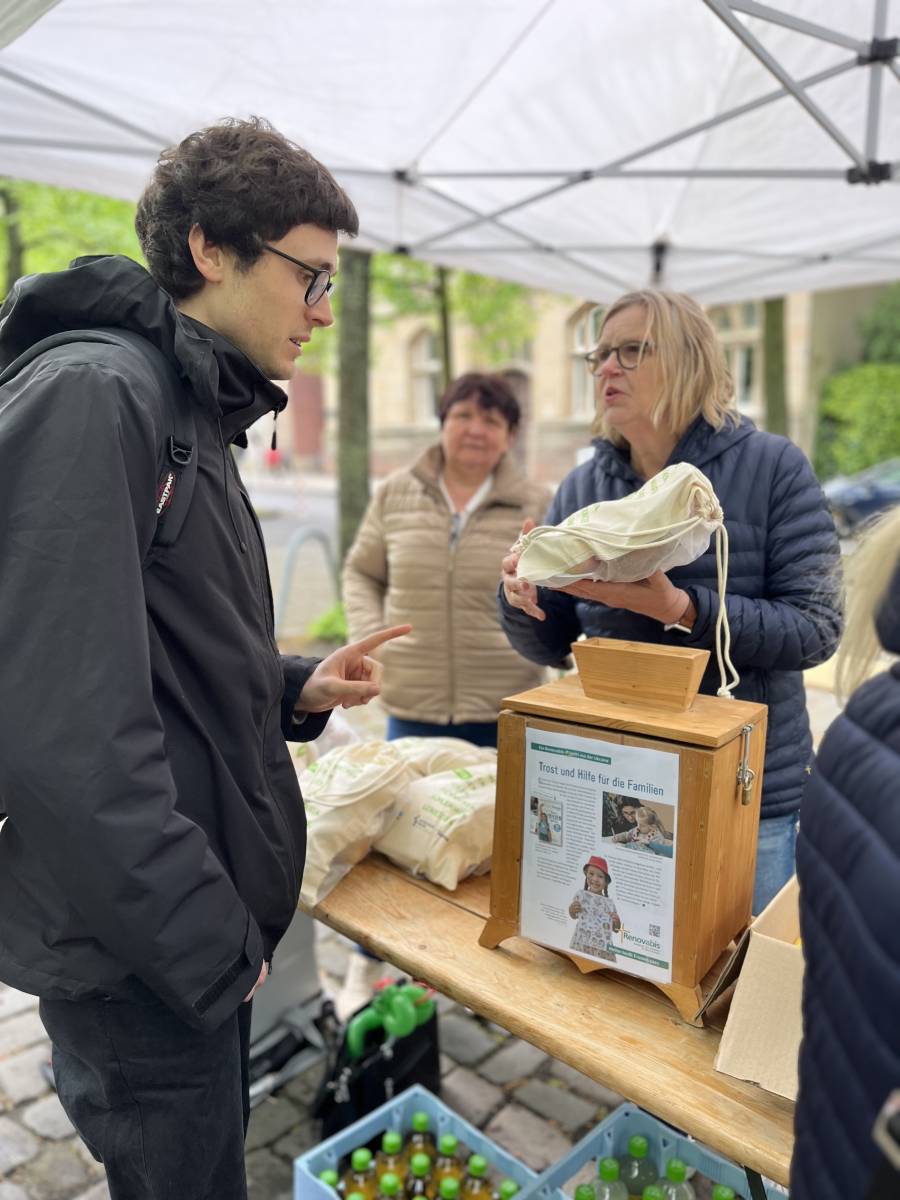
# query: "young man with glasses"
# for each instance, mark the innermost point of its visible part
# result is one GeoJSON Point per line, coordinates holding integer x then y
{"type": "Point", "coordinates": [154, 839]}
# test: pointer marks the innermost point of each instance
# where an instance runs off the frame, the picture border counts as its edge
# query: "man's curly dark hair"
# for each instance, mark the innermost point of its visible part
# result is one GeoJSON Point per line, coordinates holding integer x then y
{"type": "Point", "coordinates": [244, 184]}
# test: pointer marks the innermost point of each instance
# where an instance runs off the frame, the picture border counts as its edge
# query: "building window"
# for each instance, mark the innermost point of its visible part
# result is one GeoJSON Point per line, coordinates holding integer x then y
{"type": "Point", "coordinates": [584, 336]}
{"type": "Point", "coordinates": [426, 377]}
{"type": "Point", "coordinates": [740, 330]}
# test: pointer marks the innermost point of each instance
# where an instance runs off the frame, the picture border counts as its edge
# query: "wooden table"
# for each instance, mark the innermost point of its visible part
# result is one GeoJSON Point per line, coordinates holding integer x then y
{"type": "Point", "coordinates": [619, 1031]}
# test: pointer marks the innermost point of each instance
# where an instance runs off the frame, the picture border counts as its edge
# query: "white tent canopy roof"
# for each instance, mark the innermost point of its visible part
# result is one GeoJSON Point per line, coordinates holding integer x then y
{"type": "Point", "coordinates": [586, 146]}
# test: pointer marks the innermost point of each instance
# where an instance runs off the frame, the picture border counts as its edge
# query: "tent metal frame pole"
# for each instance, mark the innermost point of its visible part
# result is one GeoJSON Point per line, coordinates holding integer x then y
{"type": "Point", "coordinates": [530, 242]}
{"type": "Point", "coordinates": [723, 12]}
{"type": "Point", "coordinates": [77, 147]}
{"type": "Point", "coordinates": [766, 13]}
{"type": "Point", "coordinates": [157, 142]}
{"type": "Point", "coordinates": [803, 260]}
{"type": "Point", "coordinates": [585, 176]}
{"type": "Point", "coordinates": [874, 108]}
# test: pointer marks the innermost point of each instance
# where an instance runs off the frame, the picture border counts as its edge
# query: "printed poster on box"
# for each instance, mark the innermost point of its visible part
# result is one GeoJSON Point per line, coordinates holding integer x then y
{"type": "Point", "coordinates": [599, 854]}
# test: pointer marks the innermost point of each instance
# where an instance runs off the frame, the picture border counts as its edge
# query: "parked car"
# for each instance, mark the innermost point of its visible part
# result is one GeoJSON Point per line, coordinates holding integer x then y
{"type": "Point", "coordinates": [855, 499]}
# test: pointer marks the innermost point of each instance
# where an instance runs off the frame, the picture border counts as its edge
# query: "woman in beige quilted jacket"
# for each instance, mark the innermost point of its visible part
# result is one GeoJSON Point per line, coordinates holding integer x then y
{"type": "Point", "coordinates": [429, 551]}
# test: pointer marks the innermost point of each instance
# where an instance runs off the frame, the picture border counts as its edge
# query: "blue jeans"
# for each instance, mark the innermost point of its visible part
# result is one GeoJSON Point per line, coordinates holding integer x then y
{"type": "Point", "coordinates": [163, 1106]}
{"type": "Point", "coordinates": [481, 733]}
{"type": "Point", "coordinates": [774, 858]}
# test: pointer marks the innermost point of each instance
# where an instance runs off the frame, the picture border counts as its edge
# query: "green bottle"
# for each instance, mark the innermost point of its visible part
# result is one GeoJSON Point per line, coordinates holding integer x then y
{"type": "Point", "coordinates": [447, 1164]}
{"type": "Point", "coordinates": [449, 1189]}
{"type": "Point", "coordinates": [584, 1191]}
{"type": "Point", "coordinates": [506, 1189]}
{"type": "Point", "coordinates": [390, 1156]}
{"type": "Point", "coordinates": [389, 1186]}
{"type": "Point", "coordinates": [674, 1183]}
{"type": "Point", "coordinates": [653, 1192]}
{"type": "Point", "coordinates": [420, 1139]}
{"type": "Point", "coordinates": [418, 1182]}
{"type": "Point", "coordinates": [361, 1177]}
{"type": "Point", "coordinates": [476, 1182]}
{"type": "Point", "coordinates": [608, 1185]}
{"type": "Point", "coordinates": [723, 1192]}
{"type": "Point", "coordinates": [329, 1177]}
{"type": "Point", "coordinates": [635, 1168]}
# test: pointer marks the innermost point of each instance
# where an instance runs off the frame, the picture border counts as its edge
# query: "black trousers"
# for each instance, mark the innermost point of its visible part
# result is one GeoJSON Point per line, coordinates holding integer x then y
{"type": "Point", "coordinates": [163, 1106]}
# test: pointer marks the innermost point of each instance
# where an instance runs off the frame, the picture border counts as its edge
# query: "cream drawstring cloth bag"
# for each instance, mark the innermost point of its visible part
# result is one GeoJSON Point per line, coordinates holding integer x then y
{"type": "Point", "coordinates": [666, 523]}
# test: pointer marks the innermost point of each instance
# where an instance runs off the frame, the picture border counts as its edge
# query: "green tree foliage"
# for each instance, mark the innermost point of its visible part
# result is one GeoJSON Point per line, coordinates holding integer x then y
{"type": "Point", "coordinates": [501, 315]}
{"type": "Point", "coordinates": [880, 328]}
{"type": "Point", "coordinates": [859, 419]}
{"type": "Point", "coordinates": [54, 225]}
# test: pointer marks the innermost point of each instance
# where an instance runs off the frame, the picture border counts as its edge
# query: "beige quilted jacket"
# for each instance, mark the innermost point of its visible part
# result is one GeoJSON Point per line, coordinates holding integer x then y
{"type": "Point", "coordinates": [456, 665]}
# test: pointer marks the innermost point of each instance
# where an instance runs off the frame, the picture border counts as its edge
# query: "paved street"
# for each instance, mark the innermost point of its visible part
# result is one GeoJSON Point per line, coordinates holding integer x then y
{"type": "Point", "coordinates": [534, 1106]}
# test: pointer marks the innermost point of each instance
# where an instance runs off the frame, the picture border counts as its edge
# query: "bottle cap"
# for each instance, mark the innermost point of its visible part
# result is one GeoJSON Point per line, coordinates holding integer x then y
{"type": "Point", "coordinates": [638, 1146]}
{"type": "Point", "coordinates": [329, 1177]}
{"type": "Point", "coordinates": [361, 1159]}
{"type": "Point", "coordinates": [608, 1169]}
{"type": "Point", "coordinates": [449, 1188]}
{"type": "Point", "coordinates": [652, 1192]}
{"type": "Point", "coordinates": [392, 1142]}
{"type": "Point", "coordinates": [584, 1191]}
{"type": "Point", "coordinates": [676, 1171]}
{"type": "Point", "coordinates": [448, 1144]}
{"type": "Point", "coordinates": [722, 1192]}
{"type": "Point", "coordinates": [356, 1196]}
{"type": "Point", "coordinates": [390, 1184]}
{"type": "Point", "coordinates": [421, 1122]}
{"type": "Point", "coordinates": [508, 1188]}
{"type": "Point", "coordinates": [478, 1165]}
{"type": "Point", "coordinates": [420, 1164]}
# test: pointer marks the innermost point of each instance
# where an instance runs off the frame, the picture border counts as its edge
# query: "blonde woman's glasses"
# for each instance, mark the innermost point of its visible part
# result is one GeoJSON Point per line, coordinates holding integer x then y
{"type": "Point", "coordinates": [628, 355]}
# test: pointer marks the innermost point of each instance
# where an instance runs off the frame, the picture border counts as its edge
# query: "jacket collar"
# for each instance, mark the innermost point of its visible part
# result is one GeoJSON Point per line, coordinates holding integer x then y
{"type": "Point", "coordinates": [239, 390]}
{"type": "Point", "coordinates": [699, 445]}
{"type": "Point", "coordinates": [509, 486]}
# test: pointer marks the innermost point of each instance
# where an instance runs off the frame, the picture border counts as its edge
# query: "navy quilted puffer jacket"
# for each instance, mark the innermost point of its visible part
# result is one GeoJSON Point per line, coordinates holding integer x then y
{"type": "Point", "coordinates": [848, 864]}
{"type": "Point", "coordinates": [782, 597]}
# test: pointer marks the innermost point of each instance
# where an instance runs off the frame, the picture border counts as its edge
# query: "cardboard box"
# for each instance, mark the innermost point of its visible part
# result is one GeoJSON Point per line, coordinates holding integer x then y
{"type": "Point", "coordinates": [761, 1040]}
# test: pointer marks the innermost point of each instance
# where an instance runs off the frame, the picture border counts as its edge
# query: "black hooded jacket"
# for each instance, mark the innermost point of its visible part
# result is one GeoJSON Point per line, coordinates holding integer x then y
{"type": "Point", "coordinates": [155, 828]}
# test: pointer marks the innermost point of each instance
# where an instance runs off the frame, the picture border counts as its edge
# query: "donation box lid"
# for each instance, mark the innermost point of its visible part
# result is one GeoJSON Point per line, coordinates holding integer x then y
{"type": "Point", "coordinates": [711, 721]}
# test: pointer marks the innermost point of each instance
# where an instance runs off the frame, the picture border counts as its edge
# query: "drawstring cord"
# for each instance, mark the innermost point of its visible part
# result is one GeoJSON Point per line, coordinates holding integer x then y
{"type": "Point", "coordinates": [723, 630]}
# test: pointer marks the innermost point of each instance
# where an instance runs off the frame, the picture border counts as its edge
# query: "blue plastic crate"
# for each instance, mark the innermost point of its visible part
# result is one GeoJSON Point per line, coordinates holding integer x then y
{"type": "Point", "coordinates": [397, 1114]}
{"type": "Point", "coordinates": [611, 1138]}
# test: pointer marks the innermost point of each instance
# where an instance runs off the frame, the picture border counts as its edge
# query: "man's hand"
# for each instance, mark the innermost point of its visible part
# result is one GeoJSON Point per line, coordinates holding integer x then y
{"type": "Point", "coordinates": [655, 597]}
{"type": "Point", "coordinates": [518, 592]}
{"type": "Point", "coordinates": [348, 677]}
{"type": "Point", "coordinates": [263, 974]}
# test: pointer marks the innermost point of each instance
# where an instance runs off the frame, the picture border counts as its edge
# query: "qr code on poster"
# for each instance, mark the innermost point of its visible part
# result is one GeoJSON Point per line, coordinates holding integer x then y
{"type": "Point", "coordinates": [654, 931]}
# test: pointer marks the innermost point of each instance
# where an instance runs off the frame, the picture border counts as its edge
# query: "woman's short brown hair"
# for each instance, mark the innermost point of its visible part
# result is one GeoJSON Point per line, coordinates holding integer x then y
{"type": "Point", "coordinates": [244, 184]}
{"type": "Point", "coordinates": [490, 391]}
{"type": "Point", "coordinates": [694, 373]}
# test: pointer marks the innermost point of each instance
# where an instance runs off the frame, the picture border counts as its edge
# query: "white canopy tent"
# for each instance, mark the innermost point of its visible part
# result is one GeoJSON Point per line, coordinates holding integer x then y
{"type": "Point", "coordinates": [727, 148]}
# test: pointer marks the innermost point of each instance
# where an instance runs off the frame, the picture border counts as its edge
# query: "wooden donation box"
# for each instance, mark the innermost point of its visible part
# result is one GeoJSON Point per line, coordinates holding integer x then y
{"type": "Point", "coordinates": [626, 818]}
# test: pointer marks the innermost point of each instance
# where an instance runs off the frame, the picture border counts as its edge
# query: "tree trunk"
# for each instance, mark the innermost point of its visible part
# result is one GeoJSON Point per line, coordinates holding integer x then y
{"type": "Point", "coordinates": [774, 383]}
{"type": "Point", "coordinates": [353, 394]}
{"type": "Point", "coordinates": [15, 247]}
{"type": "Point", "coordinates": [441, 293]}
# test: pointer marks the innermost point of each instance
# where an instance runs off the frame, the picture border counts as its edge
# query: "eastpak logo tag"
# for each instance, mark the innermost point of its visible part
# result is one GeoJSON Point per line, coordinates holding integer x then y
{"type": "Point", "coordinates": [165, 493]}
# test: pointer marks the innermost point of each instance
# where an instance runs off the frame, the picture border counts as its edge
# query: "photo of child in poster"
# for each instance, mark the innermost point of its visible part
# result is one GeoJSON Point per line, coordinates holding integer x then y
{"type": "Point", "coordinates": [594, 913]}
{"type": "Point", "coordinates": [547, 820]}
{"type": "Point", "coordinates": [630, 822]}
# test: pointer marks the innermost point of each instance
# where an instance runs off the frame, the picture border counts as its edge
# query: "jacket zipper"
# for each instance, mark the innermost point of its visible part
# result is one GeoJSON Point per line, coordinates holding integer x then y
{"type": "Point", "coordinates": [269, 611]}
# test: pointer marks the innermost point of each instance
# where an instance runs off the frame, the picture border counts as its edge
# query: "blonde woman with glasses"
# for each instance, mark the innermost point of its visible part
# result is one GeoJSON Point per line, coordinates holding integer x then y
{"type": "Point", "coordinates": [664, 395]}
